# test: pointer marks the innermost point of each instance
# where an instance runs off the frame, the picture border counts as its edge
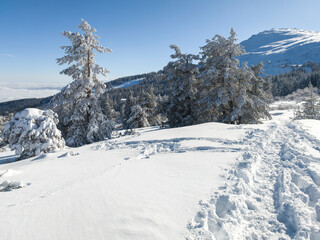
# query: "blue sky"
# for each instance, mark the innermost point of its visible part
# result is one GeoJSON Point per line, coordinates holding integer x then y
{"type": "Point", "coordinates": [138, 31]}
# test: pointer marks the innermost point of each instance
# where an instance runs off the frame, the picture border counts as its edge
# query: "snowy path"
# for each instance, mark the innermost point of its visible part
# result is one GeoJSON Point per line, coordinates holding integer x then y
{"type": "Point", "coordinates": [272, 193]}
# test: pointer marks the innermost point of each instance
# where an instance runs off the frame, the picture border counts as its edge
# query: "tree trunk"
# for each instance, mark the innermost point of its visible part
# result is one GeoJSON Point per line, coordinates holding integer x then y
{"type": "Point", "coordinates": [88, 64]}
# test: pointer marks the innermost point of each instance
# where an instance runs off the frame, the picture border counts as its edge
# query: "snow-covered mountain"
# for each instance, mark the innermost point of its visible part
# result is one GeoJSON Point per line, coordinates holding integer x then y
{"type": "Point", "coordinates": [281, 49]}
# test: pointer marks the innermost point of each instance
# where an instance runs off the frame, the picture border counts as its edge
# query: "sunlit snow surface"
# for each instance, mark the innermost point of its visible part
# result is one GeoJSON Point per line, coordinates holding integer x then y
{"type": "Point", "coordinates": [208, 181]}
{"type": "Point", "coordinates": [129, 83]}
{"type": "Point", "coordinates": [280, 49]}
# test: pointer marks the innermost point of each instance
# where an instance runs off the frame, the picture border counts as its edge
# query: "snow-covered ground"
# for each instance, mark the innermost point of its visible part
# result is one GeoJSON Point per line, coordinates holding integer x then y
{"type": "Point", "coordinates": [209, 181]}
{"type": "Point", "coordinates": [273, 190]}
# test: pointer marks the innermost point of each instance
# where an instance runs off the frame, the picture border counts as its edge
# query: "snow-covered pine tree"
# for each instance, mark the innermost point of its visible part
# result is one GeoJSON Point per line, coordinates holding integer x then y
{"type": "Point", "coordinates": [78, 104]}
{"type": "Point", "coordinates": [228, 93]}
{"type": "Point", "coordinates": [240, 103]}
{"type": "Point", "coordinates": [82, 53]}
{"type": "Point", "coordinates": [219, 68]}
{"type": "Point", "coordinates": [311, 107]}
{"type": "Point", "coordinates": [138, 118]}
{"type": "Point", "coordinates": [182, 97]}
{"type": "Point", "coordinates": [108, 108]}
{"type": "Point", "coordinates": [129, 103]}
{"type": "Point", "coordinates": [250, 102]}
{"type": "Point", "coordinates": [261, 95]}
{"type": "Point", "coordinates": [149, 104]}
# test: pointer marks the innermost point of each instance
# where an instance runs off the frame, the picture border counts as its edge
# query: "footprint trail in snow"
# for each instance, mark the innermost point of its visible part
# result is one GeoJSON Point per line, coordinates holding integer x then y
{"type": "Point", "coordinates": [273, 192]}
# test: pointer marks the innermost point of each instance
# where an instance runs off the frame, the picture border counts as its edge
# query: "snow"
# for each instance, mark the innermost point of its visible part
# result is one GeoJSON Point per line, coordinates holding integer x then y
{"type": "Point", "coordinates": [281, 49]}
{"type": "Point", "coordinates": [284, 39]}
{"type": "Point", "coordinates": [272, 192]}
{"type": "Point", "coordinates": [207, 181]}
{"type": "Point", "coordinates": [144, 186]}
{"type": "Point", "coordinates": [129, 83]}
{"type": "Point", "coordinates": [29, 113]}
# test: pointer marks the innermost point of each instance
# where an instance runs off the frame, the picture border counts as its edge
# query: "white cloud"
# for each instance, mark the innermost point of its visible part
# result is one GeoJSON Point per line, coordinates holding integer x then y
{"type": "Point", "coordinates": [7, 55]}
{"type": "Point", "coordinates": [32, 85]}
{"type": "Point", "coordinates": [15, 91]}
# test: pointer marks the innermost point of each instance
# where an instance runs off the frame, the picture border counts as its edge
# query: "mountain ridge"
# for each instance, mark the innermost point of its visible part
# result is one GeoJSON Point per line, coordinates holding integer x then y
{"type": "Point", "coordinates": [282, 49]}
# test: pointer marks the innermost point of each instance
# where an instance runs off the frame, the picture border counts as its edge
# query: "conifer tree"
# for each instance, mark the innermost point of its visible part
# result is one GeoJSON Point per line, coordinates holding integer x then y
{"type": "Point", "coordinates": [138, 118]}
{"type": "Point", "coordinates": [219, 70]}
{"type": "Point", "coordinates": [251, 99]}
{"type": "Point", "coordinates": [260, 93]}
{"type": "Point", "coordinates": [228, 93]}
{"type": "Point", "coordinates": [182, 76]}
{"type": "Point", "coordinates": [78, 104]}
{"type": "Point", "coordinates": [108, 108]}
{"type": "Point", "coordinates": [130, 102]}
{"type": "Point", "coordinates": [150, 106]}
{"type": "Point", "coordinates": [82, 53]}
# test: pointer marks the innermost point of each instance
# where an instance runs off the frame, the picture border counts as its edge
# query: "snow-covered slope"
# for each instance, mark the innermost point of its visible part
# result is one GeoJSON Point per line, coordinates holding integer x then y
{"type": "Point", "coordinates": [208, 181]}
{"type": "Point", "coordinates": [129, 83]}
{"type": "Point", "coordinates": [280, 49]}
{"type": "Point", "coordinates": [145, 186]}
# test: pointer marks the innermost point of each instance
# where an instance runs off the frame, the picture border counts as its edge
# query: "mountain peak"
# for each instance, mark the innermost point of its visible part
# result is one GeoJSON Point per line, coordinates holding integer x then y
{"type": "Point", "coordinates": [281, 48]}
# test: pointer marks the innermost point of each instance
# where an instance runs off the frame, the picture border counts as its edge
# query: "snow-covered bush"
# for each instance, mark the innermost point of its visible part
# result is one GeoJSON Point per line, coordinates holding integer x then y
{"type": "Point", "coordinates": [283, 105]}
{"type": "Point", "coordinates": [33, 132]}
{"type": "Point", "coordinates": [310, 109]}
{"type": "Point", "coordinates": [3, 122]}
{"type": "Point", "coordinates": [299, 95]}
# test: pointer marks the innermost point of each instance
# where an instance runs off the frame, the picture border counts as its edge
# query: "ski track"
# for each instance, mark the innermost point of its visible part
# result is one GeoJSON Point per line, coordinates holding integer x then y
{"type": "Point", "coordinates": [271, 193]}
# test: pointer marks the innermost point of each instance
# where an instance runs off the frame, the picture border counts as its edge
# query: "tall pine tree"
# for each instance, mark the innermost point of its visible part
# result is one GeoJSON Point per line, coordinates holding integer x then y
{"type": "Point", "coordinates": [126, 114]}
{"type": "Point", "coordinates": [182, 76]}
{"type": "Point", "coordinates": [228, 93]}
{"type": "Point", "coordinates": [150, 105]}
{"type": "Point", "coordinates": [78, 104]}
